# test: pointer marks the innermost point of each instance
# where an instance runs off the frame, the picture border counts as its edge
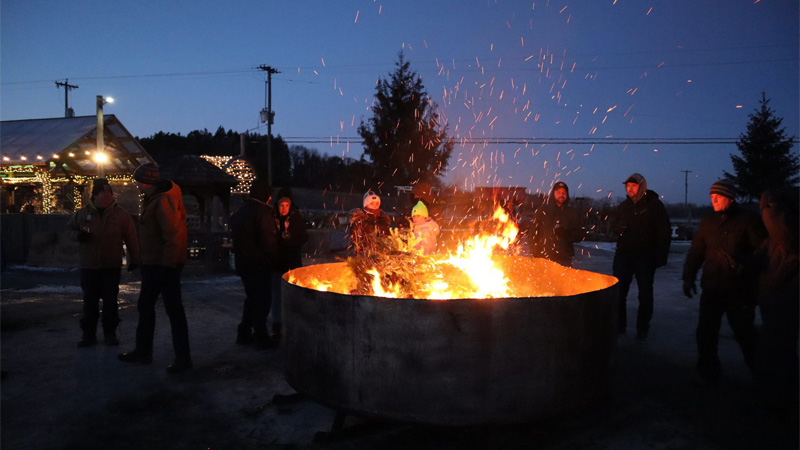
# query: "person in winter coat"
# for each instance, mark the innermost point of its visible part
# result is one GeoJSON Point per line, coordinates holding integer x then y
{"type": "Point", "coordinates": [163, 247]}
{"type": "Point", "coordinates": [644, 231]}
{"type": "Point", "coordinates": [425, 229]}
{"type": "Point", "coordinates": [367, 223]}
{"type": "Point", "coordinates": [555, 227]}
{"type": "Point", "coordinates": [724, 247]}
{"type": "Point", "coordinates": [255, 251]}
{"type": "Point", "coordinates": [778, 297]}
{"type": "Point", "coordinates": [101, 228]}
{"type": "Point", "coordinates": [292, 235]}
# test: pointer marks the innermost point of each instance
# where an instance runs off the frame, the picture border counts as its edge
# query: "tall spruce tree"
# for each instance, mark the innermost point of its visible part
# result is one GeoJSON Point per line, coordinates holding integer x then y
{"type": "Point", "coordinates": [404, 139]}
{"type": "Point", "coordinates": [767, 161]}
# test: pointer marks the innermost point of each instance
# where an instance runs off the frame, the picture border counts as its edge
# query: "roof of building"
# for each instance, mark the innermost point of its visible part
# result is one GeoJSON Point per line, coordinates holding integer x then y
{"type": "Point", "coordinates": [192, 170]}
{"type": "Point", "coordinates": [67, 146]}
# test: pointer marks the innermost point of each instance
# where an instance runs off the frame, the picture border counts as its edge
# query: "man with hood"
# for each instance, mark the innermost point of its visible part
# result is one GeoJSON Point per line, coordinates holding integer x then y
{"type": "Point", "coordinates": [101, 228]}
{"type": "Point", "coordinates": [724, 246]}
{"type": "Point", "coordinates": [292, 235]}
{"type": "Point", "coordinates": [367, 223]}
{"type": "Point", "coordinates": [163, 239]}
{"type": "Point", "coordinates": [555, 227]}
{"type": "Point", "coordinates": [643, 229]}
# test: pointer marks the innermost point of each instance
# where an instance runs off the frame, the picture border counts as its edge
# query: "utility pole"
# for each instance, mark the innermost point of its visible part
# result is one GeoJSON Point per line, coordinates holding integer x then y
{"type": "Point", "coordinates": [269, 117]}
{"type": "Point", "coordinates": [67, 87]}
{"type": "Point", "coordinates": [686, 197]}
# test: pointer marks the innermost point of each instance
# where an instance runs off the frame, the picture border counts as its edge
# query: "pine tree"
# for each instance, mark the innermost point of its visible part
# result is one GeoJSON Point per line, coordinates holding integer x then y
{"type": "Point", "coordinates": [767, 161]}
{"type": "Point", "coordinates": [404, 140]}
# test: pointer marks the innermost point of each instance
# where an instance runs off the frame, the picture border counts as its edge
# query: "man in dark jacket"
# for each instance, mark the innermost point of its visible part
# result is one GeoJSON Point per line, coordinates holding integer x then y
{"type": "Point", "coordinates": [724, 246]}
{"type": "Point", "coordinates": [292, 235]}
{"type": "Point", "coordinates": [101, 228]}
{"type": "Point", "coordinates": [368, 223]}
{"type": "Point", "coordinates": [643, 227]}
{"type": "Point", "coordinates": [163, 241]}
{"type": "Point", "coordinates": [255, 246]}
{"type": "Point", "coordinates": [555, 227]}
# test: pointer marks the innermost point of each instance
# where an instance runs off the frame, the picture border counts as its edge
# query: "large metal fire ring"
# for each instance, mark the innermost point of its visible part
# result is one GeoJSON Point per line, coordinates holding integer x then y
{"type": "Point", "coordinates": [451, 362]}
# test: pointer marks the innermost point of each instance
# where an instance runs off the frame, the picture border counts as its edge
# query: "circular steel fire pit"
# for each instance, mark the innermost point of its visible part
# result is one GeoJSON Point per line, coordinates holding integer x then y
{"type": "Point", "coordinates": [450, 362]}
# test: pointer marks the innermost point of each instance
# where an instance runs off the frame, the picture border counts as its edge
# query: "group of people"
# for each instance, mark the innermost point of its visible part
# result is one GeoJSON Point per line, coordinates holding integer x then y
{"type": "Point", "coordinates": [101, 227]}
{"type": "Point", "coordinates": [370, 222]}
{"type": "Point", "coordinates": [266, 243]}
{"type": "Point", "coordinates": [747, 260]}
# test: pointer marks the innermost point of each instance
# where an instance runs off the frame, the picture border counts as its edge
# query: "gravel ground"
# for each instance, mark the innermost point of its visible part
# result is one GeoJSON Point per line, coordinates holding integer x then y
{"type": "Point", "coordinates": [57, 396]}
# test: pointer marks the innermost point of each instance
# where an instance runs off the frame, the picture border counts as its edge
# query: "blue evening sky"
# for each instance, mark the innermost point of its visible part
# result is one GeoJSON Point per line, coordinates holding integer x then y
{"type": "Point", "coordinates": [509, 77]}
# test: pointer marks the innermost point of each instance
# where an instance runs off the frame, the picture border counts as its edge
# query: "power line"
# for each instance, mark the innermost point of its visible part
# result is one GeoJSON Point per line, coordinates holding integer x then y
{"type": "Point", "coordinates": [534, 140]}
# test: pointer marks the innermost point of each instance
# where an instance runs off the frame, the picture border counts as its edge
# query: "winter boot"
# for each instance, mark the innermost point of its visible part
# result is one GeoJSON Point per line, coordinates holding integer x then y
{"type": "Point", "coordinates": [244, 335]}
{"type": "Point", "coordinates": [89, 338]}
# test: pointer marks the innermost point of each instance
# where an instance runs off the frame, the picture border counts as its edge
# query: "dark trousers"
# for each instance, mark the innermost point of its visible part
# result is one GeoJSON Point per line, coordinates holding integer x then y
{"type": "Point", "coordinates": [258, 299]}
{"type": "Point", "coordinates": [98, 284]}
{"type": "Point", "coordinates": [777, 360]}
{"type": "Point", "coordinates": [644, 270]}
{"type": "Point", "coordinates": [276, 298]}
{"type": "Point", "coordinates": [740, 311]}
{"type": "Point", "coordinates": [164, 281]}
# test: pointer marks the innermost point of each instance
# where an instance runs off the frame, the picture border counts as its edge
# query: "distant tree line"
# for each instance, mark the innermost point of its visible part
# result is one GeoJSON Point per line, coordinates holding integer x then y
{"type": "Point", "coordinates": [295, 166]}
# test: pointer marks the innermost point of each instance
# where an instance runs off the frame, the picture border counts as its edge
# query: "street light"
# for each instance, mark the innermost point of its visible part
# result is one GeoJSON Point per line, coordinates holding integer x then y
{"type": "Point", "coordinates": [100, 157]}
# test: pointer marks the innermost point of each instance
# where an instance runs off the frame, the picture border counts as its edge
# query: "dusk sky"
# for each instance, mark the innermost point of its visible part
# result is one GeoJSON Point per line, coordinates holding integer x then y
{"type": "Point", "coordinates": [535, 91]}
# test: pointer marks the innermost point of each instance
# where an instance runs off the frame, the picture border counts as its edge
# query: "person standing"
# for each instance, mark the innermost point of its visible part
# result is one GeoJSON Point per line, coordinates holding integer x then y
{"type": "Point", "coordinates": [255, 248]}
{"type": "Point", "coordinates": [778, 297]}
{"type": "Point", "coordinates": [555, 227]}
{"type": "Point", "coordinates": [724, 246]}
{"type": "Point", "coordinates": [368, 223]}
{"type": "Point", "coordinates": [643, 227]}
{"type": "Point", "coordinates": [292, 235]}
{"type": "Point", "coordinates": [101, 228]}
{"type": "Point", "coordinates": [163, 240]}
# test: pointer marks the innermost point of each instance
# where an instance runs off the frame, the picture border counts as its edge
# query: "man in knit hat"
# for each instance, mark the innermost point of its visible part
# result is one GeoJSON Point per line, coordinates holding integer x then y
{"type": "Point", "coordinates": [723, 246]}
{"type": "Point", "coordinates": [163, 240]}
{"type": "Point", "coordinates": [555, 227]}
{"type": "Point", "coordinates": [644, 231]}
{"type": "Point", "coordinates": [367, 223]}
{"type": "Point", "coordinates": [101, 228]}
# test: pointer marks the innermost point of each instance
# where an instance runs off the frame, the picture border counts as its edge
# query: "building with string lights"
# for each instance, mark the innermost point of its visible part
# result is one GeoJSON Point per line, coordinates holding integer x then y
{"type": "Point", "coordinates": [48, 164]}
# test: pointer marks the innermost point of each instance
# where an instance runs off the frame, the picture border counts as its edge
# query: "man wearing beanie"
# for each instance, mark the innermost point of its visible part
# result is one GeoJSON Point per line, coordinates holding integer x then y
{"type": "Point", "coordinates": [255, 249]}
{"type": "Point", "coordinates": [163, 241]}
{"type": "Point", "coordinates": [555, 227]}
{"type": "Point", "coordinates": [101, 228]}
{"type": "Point", "coordinates": [644, 231]}
{"type": "Point", "coordinates": [724, 246]}
{"type": "Point", "coordinates": [368, 223]}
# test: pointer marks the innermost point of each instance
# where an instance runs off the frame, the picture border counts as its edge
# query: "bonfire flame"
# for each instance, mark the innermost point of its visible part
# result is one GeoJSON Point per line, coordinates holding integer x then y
{"type": "Point", "coordinates": [395, 270]}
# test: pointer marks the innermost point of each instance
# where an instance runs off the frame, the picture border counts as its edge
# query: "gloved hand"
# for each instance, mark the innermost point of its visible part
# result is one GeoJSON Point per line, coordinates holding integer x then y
{"type": "Point", "coordinates": [83, 236]}
{"type": "Point", "coordinates": [689, 288]}
{"type": "Point", "coordinates": [132, 267]}
{"type": "Point", "coordinates": [728, 260]}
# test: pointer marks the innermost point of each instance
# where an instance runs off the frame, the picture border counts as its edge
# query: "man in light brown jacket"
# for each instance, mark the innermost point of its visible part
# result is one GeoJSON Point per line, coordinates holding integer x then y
{"type": "Point", "coordinates": [163, 238]}
{"type": "Point", "coordinates": [101, 228]}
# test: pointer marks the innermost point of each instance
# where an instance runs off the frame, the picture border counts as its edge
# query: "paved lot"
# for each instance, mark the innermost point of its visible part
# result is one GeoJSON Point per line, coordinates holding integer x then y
{"type": "Point", "coordinates": [57, 396]}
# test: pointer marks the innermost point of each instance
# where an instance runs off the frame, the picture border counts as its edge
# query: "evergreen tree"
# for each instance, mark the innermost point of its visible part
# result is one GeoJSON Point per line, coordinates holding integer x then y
{"type": "Point", "coordinates": [404, 139]}
{"type": "Point", "coordinates": [767, 161]}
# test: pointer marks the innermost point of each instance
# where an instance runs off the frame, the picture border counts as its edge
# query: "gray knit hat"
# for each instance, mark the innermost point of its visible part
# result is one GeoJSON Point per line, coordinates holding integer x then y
{"type": "Point", "coordinates": [725, 188]}
{"type": "Point", "coordinates": [147, 173]}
